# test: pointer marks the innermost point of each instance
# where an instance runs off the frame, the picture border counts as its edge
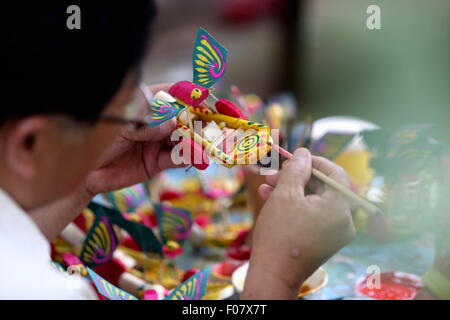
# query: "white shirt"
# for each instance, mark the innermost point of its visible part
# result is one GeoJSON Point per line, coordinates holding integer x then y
{"type": "Point", "coordinates": [25, 264]}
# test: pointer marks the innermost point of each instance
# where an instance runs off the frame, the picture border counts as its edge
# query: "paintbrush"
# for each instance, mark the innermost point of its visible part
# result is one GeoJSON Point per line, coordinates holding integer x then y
{"type": "Point", "coordinates": [335, 185]}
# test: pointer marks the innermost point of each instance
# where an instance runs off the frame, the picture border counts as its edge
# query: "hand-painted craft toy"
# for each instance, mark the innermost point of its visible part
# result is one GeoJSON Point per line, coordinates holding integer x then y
{"type": "Point", "coordinates": [192, 289]}
{"type": "Point", "coordinates": [174, 223]}
{"type": "Point", "coordinates": [101, 241]}
{"type": "Point", "coordinates": [187, 102]}
{"type": "Point", "coordinates": [115, 274]}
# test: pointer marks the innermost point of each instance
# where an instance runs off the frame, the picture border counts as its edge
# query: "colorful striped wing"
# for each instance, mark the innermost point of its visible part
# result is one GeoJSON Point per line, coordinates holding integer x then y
{"type": "Point", "coordinates": [142, 234]}
{"type": "Point", "coordinates": [108, 290]}
{"type": "Point", "coordinates": [209, 60]}
{"type": "Point", "coordinates": [174, 223]}
{"type": "Point", "coordinates": [162, 111]}
{"type": "Point", "coordinates": [128, 199]}
{"type": "Point", "coordinates": [99, 244]}
{"type": "Point", "coordinates": [192, 289]}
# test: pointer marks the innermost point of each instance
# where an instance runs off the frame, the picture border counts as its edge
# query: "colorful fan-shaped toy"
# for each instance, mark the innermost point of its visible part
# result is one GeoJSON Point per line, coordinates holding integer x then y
{"type": "Point", "coordinates": [192, 289]}
{"type": "Point", "coordinates": [101, 241]}
{"type": "Point", "coordinates": [209, 60]}
{"type": "Point", "coordinates": [174, 223]}
{"type": "Point", "coordinates": [161, 111]}
{"type": "Point", "coordinates": [99, 244]}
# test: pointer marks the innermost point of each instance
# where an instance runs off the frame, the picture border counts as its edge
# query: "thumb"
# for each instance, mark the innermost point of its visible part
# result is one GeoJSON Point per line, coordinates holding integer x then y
{"type": "Point", "coordinates": [296, 172]}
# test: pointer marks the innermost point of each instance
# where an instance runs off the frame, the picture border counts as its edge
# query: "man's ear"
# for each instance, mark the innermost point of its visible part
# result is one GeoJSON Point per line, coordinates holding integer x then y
{"type": "Point", "coordinates": [20, 145]}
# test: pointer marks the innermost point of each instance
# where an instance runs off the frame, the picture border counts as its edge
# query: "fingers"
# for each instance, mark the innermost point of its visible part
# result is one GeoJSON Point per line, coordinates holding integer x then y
{"type": "Point", "coordinates": [158, 87]}
{"type": "Point", "coordinates": [331, 169]}
{"type": "Point", "coordinates": [158, 133]}
{"type": "Point", "coordinates": [316, 186]}
{"type": "Point", "coordinates": [165, 161]}
{"type": "Point", "coordinates": [265, 191]}
{"type": "Point", "coordinates": [296, 172]}
{"type": "Point", "coordinates": [273, 179]}
{"type": "Point", "coordinates": [158, 158]}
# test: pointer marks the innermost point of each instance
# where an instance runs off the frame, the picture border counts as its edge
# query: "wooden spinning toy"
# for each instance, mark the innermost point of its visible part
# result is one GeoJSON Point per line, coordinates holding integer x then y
{"type": "Point", "coordinates": [186, 101]}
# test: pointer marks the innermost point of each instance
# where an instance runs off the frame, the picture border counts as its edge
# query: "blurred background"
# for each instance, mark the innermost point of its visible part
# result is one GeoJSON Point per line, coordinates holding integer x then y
{"type": "Point", "coordinates": [322, 51]}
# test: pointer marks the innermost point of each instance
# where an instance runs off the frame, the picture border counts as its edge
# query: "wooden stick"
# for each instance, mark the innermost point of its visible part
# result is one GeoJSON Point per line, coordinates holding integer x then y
{"type": "Point", "coordinates": [188, 113]}
{"type": "Point", "coordinates": [212, 150]}
{"type": "Point", "coordinates": [336, 185]}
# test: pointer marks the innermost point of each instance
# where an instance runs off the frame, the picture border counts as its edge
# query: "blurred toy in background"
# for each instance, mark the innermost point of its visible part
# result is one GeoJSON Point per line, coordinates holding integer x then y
{"type": "Point", "coordinates": [407, 150]}
{"type": "Point", "coordinates": [209, 196]}
{"type": "Point", "coordinates": [101, 240]}
{"type": "Point", "coordinates": [174, 223]}
{"type": "Point", "coordinates": [128, 199]}
{"type": "Point", "coordinates": [248, 10]}
{"type": "Point", "coordinates": [337, 138]}
{"type": "Point", "coordinates": [120, 269]}
{"type": "Point", "coordinates": [134, 202]}
{"type": "Point", "coordinates": [410, 162]}
{"type": "Point", "coordinates": [192, 289]}
{"type": "Point", "coordinates": [174, 227]}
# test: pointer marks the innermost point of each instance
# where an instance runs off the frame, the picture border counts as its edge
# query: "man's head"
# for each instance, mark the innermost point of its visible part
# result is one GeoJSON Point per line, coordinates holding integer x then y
{"type": "Point", "coordinates": [59, 82]}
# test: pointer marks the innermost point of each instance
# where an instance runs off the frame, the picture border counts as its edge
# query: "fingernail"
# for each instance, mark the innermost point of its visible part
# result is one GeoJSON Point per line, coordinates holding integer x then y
{"type": "Point", "coordinates": [301, 154]}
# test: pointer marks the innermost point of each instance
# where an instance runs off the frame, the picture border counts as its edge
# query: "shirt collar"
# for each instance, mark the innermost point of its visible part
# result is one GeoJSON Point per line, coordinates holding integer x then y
{"type": "Point", "coordinates": [16, 223]}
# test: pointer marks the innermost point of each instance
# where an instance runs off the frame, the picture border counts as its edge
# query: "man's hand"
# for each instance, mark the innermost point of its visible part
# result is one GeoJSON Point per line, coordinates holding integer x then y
{"type": "Point", "coordinates": [296, 232]}
{"type": "Point", "coordinates": [135, 156]}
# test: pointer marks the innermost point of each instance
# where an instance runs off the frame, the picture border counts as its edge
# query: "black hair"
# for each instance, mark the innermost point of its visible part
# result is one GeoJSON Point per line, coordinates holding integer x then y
{"type": "Point", "coordinates": [49, 68]}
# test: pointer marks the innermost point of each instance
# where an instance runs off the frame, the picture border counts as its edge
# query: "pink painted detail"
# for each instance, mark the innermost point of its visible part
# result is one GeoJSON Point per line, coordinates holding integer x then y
{"type": "Point", "coordinates": [215, 193]}
{"type": "Point", "coordinates": [202, 220]}
{"type": "Point", "coordinates": [184, 229]}
{"type": "Point", "coordinates": [172, 253]}
{"type": "Point", "coordinates": [226, 107]}
{"type": "Point", "coordinates": [166, 292]}
{"type": "Point", "coordinates": [215, 66]}
{"type": "Point", "coordinates": [150, 295]}
{"type": "Point", "coordinates": [198, 289]}
{"type": "Point", "coordinates": [182, 90]}
{"type": "Point", "coordinates": [215, 74]}
{"type": "Point", "coordinates": [70, 259]}
{"type": "Point", "coordinates": [195, 155]}
{"type": "Point", "coordinates": [226, 268]}
{"type": "Point", "coordinates": [99, 255]}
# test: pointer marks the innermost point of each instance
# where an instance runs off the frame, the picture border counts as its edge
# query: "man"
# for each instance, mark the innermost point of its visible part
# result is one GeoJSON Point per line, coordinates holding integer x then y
{"type": "Point", "coordinates": [65, 137]}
